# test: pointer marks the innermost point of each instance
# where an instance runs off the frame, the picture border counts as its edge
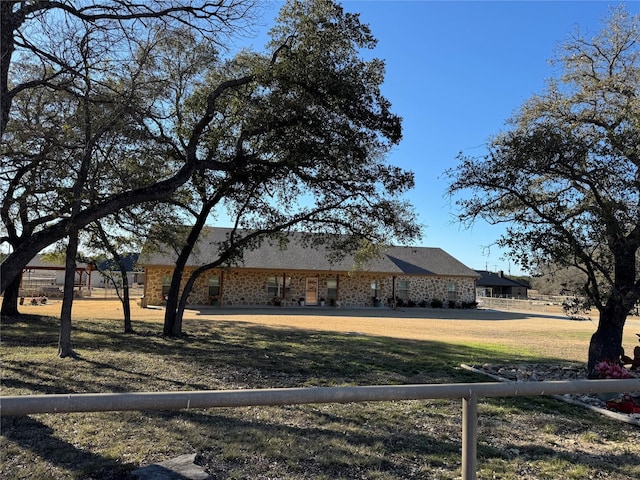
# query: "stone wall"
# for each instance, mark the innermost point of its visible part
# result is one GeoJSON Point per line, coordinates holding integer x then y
{"type": "Point", "coordinates": [245, 287]}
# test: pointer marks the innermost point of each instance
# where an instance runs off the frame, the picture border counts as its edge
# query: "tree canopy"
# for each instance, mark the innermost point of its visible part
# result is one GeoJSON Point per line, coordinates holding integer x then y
{"type": "Point", "coordinates": [295, 137]}
{"type": "Point", "coordinates": [306, 135]}
{"type": "Point", "coordinates": [84, 108]}
{"type": "Point", "coordinates": [565, 177]}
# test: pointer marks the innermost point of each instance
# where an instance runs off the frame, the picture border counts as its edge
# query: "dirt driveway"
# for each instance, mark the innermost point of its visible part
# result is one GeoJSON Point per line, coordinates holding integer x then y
{"type": "Point", "coordinates": [547, 334]}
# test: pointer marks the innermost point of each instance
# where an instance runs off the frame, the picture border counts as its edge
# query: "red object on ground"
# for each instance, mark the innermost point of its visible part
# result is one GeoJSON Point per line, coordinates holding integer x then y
{"type": "Point", "coordinates": [626, 405]}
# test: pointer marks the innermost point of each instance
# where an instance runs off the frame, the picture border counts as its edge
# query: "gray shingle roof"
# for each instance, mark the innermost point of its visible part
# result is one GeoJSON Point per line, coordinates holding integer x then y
{"type": "Point", "coordinates": [296, 256]}
{"type": "Point", "coordinates": [491, 279]}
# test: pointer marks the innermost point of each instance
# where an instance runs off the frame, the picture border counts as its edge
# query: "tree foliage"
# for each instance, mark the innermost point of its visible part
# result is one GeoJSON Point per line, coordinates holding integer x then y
{"type": "Point", "coordinates": [45, 33]}
{"type": "Point", "coordinates": [304, 138]}
{"type": "Point", "coordinates": [566, 177]}
{"type": "Point", "coordinates": [87, 99]}
{"type": "Point", "coordinates": [140, 111]}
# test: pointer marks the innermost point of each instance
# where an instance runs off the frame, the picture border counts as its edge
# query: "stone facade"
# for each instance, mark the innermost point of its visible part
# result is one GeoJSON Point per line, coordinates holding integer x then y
{"type": "Point", "coordinates": [250, 287]}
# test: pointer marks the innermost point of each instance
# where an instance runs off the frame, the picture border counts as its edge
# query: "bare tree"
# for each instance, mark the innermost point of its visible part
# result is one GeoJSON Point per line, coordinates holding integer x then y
{"type": "Point", "coordinates": [40, 30]}
{"type": "Point", "coordinates": [54, 49]}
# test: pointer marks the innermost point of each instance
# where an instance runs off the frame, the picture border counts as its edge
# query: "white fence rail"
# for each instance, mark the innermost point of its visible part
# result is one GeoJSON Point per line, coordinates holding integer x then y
{"type": "Point", "coordinates": [523, 305]}
{"type": "Point", "coordinates": [468, 392]}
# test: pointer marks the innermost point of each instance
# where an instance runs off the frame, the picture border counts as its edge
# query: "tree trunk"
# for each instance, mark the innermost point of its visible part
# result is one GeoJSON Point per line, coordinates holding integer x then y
{"type": "Point", "coordinates": [170, 329]}
{"type": "Point", "coordinates": [173, 326]}
{"type": "Point", "coordinates": [64, 343]}
{"type": "Point", "coordinates": [606, 342]}
{"type": "Point", "coordinates": [126, 304]}
{"type": "Point", "coordinates": [10, 299]}
{"type": "Point", "coordinates": [124, 296]}
{"type": "Point", "coordinates": [7, 46]}
{"type": "Point", "coordinates": [179, 314]}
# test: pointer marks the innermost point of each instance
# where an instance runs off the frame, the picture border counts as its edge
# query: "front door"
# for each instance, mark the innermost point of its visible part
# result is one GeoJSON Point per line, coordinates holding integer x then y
{"type": "Point", "coordinates": [311, 296]}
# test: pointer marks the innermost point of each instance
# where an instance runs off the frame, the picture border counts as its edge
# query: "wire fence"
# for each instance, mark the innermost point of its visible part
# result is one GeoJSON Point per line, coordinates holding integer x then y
{"type": "Point", "coordinates": [551, 304]}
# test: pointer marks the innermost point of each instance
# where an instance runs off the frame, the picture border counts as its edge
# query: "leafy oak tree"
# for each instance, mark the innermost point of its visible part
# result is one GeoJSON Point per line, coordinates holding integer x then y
{"type": "Point", "coordinates": [293, 138]}
{"type": "Point", "coordinates": [565, 179]}
{"type": "Point", "coordinates": [307, 134]}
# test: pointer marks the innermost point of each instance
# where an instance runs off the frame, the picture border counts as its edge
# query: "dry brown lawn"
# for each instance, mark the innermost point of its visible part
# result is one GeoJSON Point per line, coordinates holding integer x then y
{"type": "Point", "coordinates": [532, 438]}
{"type": "Point", "coordinates": [547, 334]}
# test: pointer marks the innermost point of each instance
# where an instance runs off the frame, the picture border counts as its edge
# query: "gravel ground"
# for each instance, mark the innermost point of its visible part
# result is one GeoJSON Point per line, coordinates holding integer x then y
{"type": "Point", "coordinates": [537, 372]}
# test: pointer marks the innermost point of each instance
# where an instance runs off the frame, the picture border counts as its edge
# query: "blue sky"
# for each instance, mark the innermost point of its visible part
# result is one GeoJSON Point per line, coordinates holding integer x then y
{"type": "Point", "coordinates": [456, 71]}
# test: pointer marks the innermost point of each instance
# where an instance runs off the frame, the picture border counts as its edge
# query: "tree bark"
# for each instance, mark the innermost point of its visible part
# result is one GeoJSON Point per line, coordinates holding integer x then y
{"type": "Point", "coordinates": [7, 45]}
{"type": "Point", "coordinates": [173, 321]}
{"type": "Point", "coordinates": [10, 299]}
{"type": "Point", "coordinates": [64, 343]}
{"type": "Point", "coordinates": [126, 304]}
{"type": "Point", "coordinates": [170, 327]}
{"type": "Point", "coordinates": [182, 304]}
{"type": "Point", "coordinates": [124, 296]}
{"type": "Point", "coordinates": [606, 342]}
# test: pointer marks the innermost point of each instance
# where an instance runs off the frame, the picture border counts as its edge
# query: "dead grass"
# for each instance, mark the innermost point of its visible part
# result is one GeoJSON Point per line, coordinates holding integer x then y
{"type": "Point", "coordinates": [518, 438]}
{"type": "Point", "coordinates": [531, 333]}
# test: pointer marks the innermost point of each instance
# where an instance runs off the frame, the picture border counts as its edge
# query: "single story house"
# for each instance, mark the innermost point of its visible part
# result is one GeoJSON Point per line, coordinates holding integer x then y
{"type": "Point", "coordinates": [492, 284]}
{"type": "Point", "coordinates": [295, 274]}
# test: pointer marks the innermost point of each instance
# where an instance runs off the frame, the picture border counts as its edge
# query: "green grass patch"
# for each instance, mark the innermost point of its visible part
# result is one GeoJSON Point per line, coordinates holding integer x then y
{"type": "Point", "coordinates": [531, 438]}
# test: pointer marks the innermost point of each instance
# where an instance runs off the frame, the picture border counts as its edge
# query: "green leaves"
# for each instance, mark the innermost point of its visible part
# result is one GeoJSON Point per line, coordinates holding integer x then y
{"type": "Point", "coordinates": [565, 177]}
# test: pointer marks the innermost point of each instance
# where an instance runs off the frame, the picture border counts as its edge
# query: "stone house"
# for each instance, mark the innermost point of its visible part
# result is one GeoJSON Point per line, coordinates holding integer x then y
{"type": "Point", "coordinates": [301, 275]}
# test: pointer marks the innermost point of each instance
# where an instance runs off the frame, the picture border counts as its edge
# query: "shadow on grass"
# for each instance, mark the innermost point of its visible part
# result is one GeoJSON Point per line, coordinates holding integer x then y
{"type": "Point", "coordinates": [332, 441]}
{"type": "Point", "coordinates": [319, 447]}
{"type": "Point", "coordinates": [224, 354]}
{"type": "Point", "coordinates": [38, 438]}
{"type": "Point", "coordinates": [484, 314]}
{"type": "Point", "coordinates": [555, 463]}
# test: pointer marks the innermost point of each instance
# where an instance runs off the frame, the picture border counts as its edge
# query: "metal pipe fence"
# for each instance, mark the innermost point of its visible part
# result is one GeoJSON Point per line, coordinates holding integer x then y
{"type": "Point", "coordinates": [468, 392]}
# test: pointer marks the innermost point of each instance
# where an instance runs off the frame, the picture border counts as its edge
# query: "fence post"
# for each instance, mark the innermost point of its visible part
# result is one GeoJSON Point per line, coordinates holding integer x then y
{"type": "Point", "coordinates": [469, 436]}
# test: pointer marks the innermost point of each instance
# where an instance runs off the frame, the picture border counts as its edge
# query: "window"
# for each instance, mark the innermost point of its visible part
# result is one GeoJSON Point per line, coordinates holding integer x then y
{"type": "Point", "coordinates": [374, 289]}
{"type": "Point", "coordinates": [275, 287]}
{"type": "Point", "coordinates": [166, 284]}
{"type": "Point", "coordinates": [214, 286]}
{"type": "Point", "coordinates": [402, 289]}
{"type": "Point", "coordinates": [452, 294]}
{"type": "Point", "coordinates": [332, 288]}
